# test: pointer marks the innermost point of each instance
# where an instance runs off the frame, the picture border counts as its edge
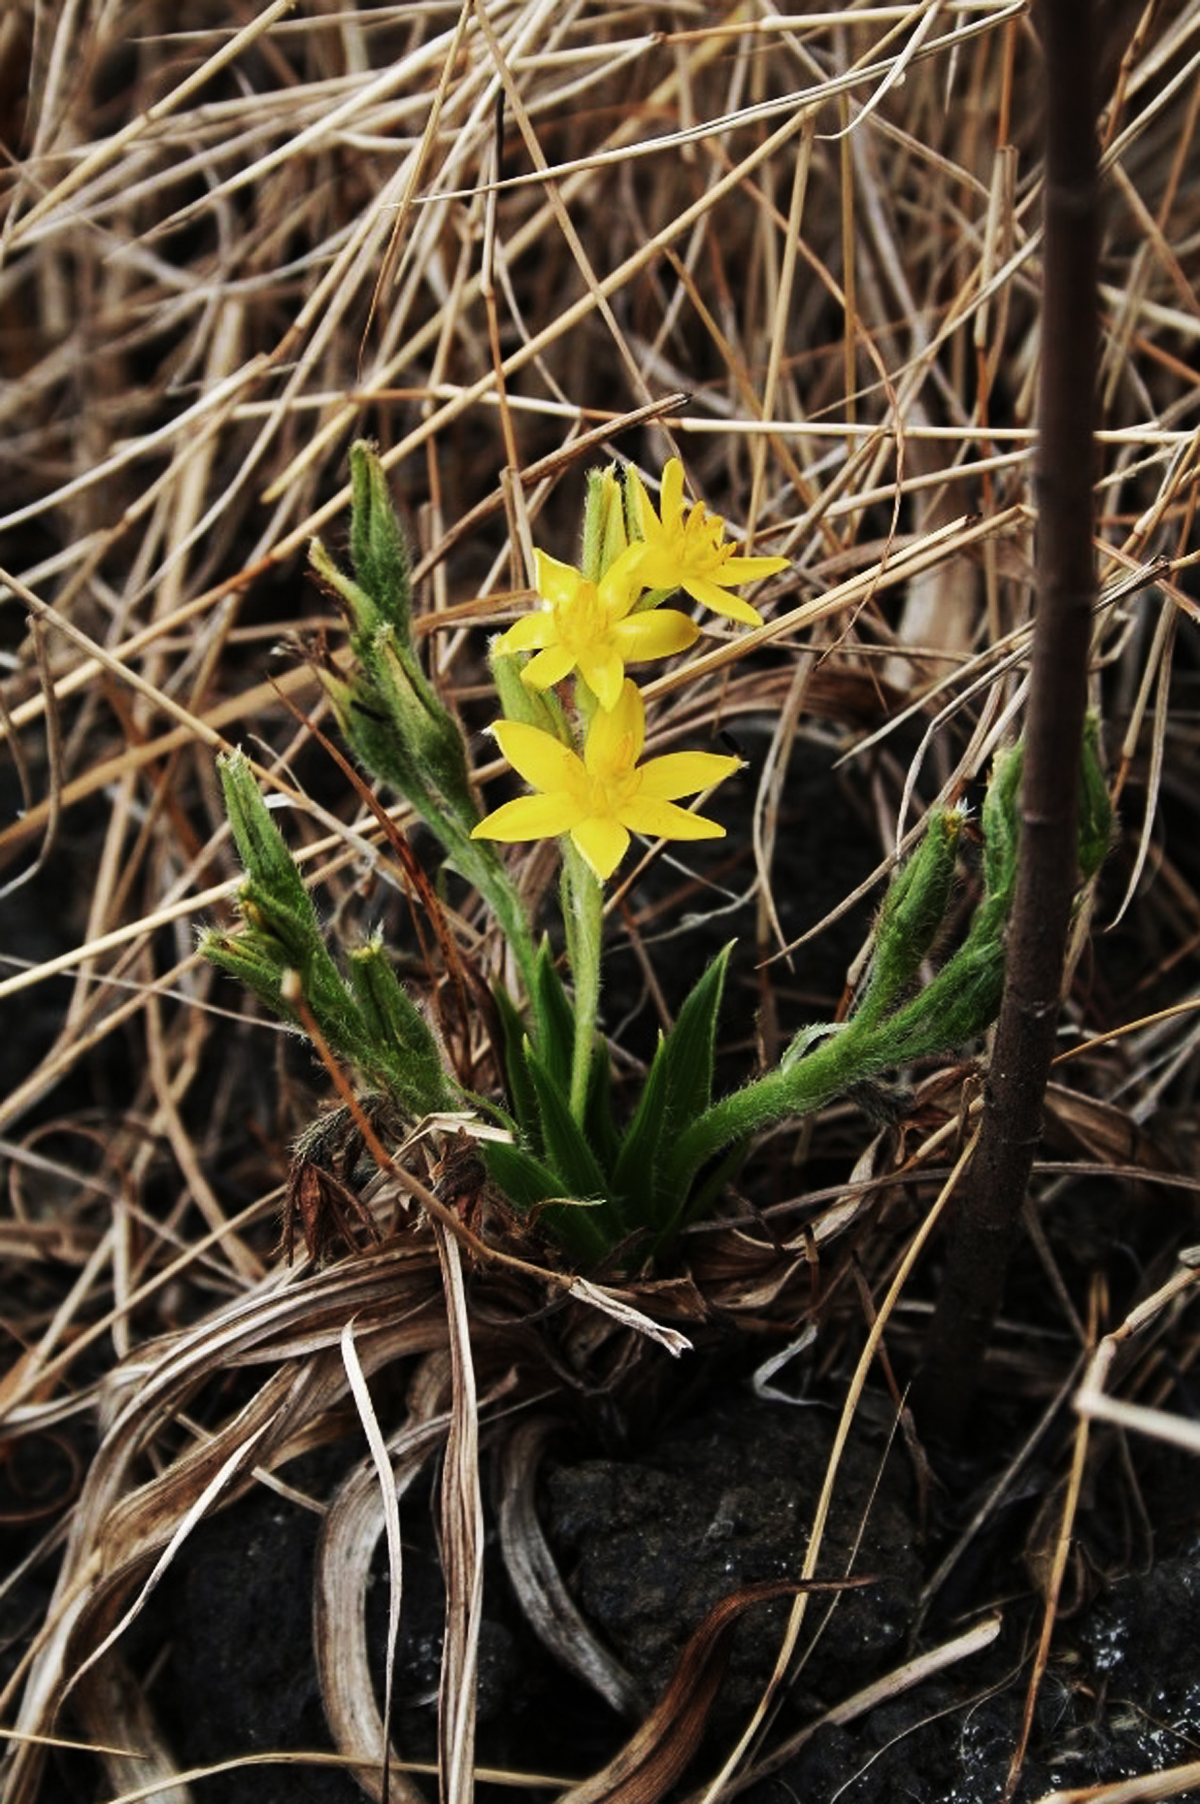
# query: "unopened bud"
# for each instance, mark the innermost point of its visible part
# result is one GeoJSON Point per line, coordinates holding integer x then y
{"type": "Point", "coordinates": [913, 911]}
{"type": "Point", "coordinates": [377, 545]}
{"type": "Point", "coordinates": [604, 534]}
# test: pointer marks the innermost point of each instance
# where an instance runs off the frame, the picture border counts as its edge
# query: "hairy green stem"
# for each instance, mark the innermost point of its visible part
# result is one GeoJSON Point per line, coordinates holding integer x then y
{"type": "Point", "coordinates": [583, 917]}
{"type": "Point", "coordinates": [842, 1060]}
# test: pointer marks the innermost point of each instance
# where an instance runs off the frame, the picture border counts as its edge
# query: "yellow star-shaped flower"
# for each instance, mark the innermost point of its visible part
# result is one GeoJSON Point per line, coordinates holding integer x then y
{"type": "Point", "coordinates": [603, 797]}
{"type": "Point", "coordinates": [590, 627]}
{"type": "Point", "coordinates": [691, 553]}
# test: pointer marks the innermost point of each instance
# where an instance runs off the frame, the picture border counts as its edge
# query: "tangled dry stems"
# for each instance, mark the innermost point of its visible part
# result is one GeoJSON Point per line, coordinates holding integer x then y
{"type": "Point", "coordinates": [507, 241]}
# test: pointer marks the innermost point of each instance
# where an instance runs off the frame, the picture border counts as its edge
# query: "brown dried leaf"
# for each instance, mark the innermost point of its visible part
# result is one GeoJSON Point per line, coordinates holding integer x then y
{"type": "Point", "coordinates": [1100, 1129]}
{"type": "Point", "coordinates": [462, 1547]}
{"type": "Point", "coordinates": [547, 1605]}
{"type": "Point", "coordinates": [649, 1764]}
{"type": "Point", "coordinates": [345, 1550]}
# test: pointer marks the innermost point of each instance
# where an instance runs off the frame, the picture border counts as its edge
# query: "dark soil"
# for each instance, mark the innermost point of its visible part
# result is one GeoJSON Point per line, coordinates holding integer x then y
{"type": "Point", "coordinates": [648, 1543]}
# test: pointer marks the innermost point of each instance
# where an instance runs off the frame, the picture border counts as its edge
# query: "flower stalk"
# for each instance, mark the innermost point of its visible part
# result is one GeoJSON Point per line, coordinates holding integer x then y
{"type": "Point", "coordinates": [583, 919]}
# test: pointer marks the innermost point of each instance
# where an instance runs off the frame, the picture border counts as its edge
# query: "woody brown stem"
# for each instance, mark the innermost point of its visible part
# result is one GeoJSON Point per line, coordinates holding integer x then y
{"type": "Point", "coordinates": [985, 1231]}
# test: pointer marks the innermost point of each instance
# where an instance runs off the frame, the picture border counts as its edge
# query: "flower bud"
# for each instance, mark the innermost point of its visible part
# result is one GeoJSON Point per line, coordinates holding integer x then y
{"type": "Point", "coordinates": [377, 545]}
{"type": "Point", "coordinates": [1002, 826]}
{"type": "Point", "coordinates": [360, 609]}
{"type": "Point", "coordinates": [521, 701]}
{"type": "Point", "coordinates": [260, 844]}
{"type": "Point", "coordinates": [399, 1033]}
{"type": "Point", "coordinates": [430, 735]}
{"type": "Point", "coordinates": [604, 535]}
{"type": "Point", "coordinates": [913, 911]}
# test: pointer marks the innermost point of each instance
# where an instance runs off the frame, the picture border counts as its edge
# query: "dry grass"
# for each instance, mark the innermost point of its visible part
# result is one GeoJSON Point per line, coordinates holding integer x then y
{"type": "Point", "coordinates": [506, 241]}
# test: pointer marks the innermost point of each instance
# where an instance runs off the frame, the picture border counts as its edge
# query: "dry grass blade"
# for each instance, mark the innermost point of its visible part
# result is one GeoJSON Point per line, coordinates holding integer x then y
{"type": "Point", "coordinates": [391, 1521]}
{"type": "Point", "coordinates": [509, 243]}
{"type": "Point", "coordinates": [535, 1577]}
{"type": "Point", "coordinates": [1092, 1401]}
{"type": "Point", "coordinates": [612, 1303]}
{"type": "Point", "coordinates": [349, 1536]}
{"type": "Point", "coordinates": [119, 1527]}
{"type": "Point", "coordinates": [1149, 1788]}
{"type": "Point", "coordinates": [916, 1671]}
{"type": "Point", "coordinates": [462, 1546]}
{"type": "Point", "coordinates": [653, 1759]}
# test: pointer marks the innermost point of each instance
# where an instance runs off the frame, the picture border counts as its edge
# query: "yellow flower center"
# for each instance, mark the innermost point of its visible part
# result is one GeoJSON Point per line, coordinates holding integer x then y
{"type": "Point", "coordinates": [581, 621]}
{"type": "Point", "coordinates": [605, 791]}
{"type": "Point", "coordinates": [702, 549]}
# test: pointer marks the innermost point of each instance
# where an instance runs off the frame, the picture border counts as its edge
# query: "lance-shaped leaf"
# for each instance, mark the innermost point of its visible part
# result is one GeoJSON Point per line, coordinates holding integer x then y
{"type": "Point", "coordinates": [567, 1150]}
{"type": "Point", "coordinates": [522, 1096]}
{"type": "Point", "coordinates": [554, 1019]}
{"type": "Point", "coordinates": [531, 1186]}
{"type": "Point", "coordinates": [597, 1113]}
{"type": "Point", "coordinates": [690, 1048]}
{"type": "Point", "coordinates": [635, 1175]}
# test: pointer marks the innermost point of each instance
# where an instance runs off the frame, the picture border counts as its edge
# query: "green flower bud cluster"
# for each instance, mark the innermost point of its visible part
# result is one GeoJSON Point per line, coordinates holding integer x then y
{"type": "Point", "coordinates": [388, 709]}
{"type": "Point", "coordinates": [366, 1018]}
{"type": "Point", "coordinates": [896, 1023]}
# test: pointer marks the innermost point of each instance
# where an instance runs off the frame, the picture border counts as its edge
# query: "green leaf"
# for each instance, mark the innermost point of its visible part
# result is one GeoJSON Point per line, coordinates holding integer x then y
{"type": "Point", "coordinates": [566, 1147]}
{"type": "Point", "coordinates": [690, 1047]}
{"type": "Point", "coordinates": [554, 1018]}
{"type": "Point", "coordinates": [636, 1170]}
{"type": "Point", "coordinates": [521, 1093]}
{"type": "Point", "coordinates": [597, 1114]}
{"type": "Point", "coordinates": [530, 1185]}
{"type": "Point", "coordinates": [524, 1179]}
{"type": "Point", "coordinates": [687, 1056]}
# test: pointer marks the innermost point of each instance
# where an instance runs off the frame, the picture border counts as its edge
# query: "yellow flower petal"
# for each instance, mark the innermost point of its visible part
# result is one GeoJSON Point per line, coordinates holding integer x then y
{"type": "Point", "coordinates": [750, 569]}
{"type": "Point", "coordinates": [618, 588]}
{"type": "Point", "coordinates": [664, 820]}
{"type": "Point", "coordinates": [603, 672]}
{"type": "Point", "coordinates": [672, 491]}
{"type": "Point", "coordinates": [615, 739]}
{"type": "Point", "coordinates": [527, 634]}
{"type": "Point", "coordinates": [548, 667]}
{"type": "Point", "coordinates": [605, 796]}
{"type": "Point", "coordinates": [685, 773]}
{"type": "Point", "coordinates": [602, 842]}
{"type": "Point", "coordinates": [686, 548]}
{"type": "Point", "coordinates": [710, 595]}
{"type": "Point", "coordinates": [557, 583]}
{"type": "Point", "coordinates": [529, 817]}
{"type": "Point", "coordinates": [543, 761]}
{"type": "Point", "coordinates": [658, 633]}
